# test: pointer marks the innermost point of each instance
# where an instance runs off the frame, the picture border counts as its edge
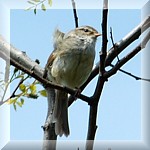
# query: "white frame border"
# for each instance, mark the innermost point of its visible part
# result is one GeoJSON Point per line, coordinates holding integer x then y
{"type": "Point", "coordinates": [143, 144]}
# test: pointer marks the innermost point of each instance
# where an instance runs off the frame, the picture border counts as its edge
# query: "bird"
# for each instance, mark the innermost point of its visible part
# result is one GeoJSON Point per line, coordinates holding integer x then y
{"type": "Point", "coordinates": [70, 65]}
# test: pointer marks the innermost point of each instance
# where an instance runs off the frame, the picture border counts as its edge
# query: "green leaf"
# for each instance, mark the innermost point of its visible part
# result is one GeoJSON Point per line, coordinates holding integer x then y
{"type": "Point", "coordinates": [19, 104]}
{"type": "Point", "coordinates": [15, 108]}
{"type": "Point", "coordinates": [31, 3]}
{"type": "Point", "coordinates": [22, 101]}
{"type": "Point", "coordinates": [50, 2]}
{"type": "Point", "coordinates": [12, 101]}
{"type": "Point", "coordinates": [43, 7]}
{"type": "Point", "coordinates": [22, 87]}
{"type": "Point", "coordinates": [33, 88]}
{"type": "Point", "coordinates": [43, 93]}
{"type": "Point", "coordinates": [35, 11]}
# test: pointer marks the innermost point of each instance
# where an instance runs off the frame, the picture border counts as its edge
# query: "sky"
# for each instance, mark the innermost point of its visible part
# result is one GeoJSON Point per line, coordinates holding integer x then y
{"type": "Point", "coordinates": [119, 110]}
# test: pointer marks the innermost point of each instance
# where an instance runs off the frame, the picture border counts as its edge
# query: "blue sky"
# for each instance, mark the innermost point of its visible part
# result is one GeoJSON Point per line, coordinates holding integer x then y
{"type": "Point", "coordinates": [119, 107]}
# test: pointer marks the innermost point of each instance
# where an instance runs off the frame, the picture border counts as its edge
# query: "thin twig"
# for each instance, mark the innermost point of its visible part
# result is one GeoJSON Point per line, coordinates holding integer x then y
{"type": "Point", "coordinates": [126, 41]}
{"type": "Point", "coordinates": [75, 13]}
{"type": "Point", "coordinates": [5, 90]}
{"type": "Point", "coordinates": [112, 40]}
{"type": "Point", "coordinates": [20, 82]}
{"type": "Point", "coordinates": [18, 95]}
{"type": "Point", "coordinates": [129, 56]}
{"type": "Point", "coordinates": [132, 75]}
{"type": "Point", "coordinates": [13, 94]}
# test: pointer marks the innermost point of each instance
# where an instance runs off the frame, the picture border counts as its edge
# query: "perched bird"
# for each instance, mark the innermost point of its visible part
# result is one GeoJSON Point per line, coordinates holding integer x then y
{"type": "Point", "coordinates": [70, 65]}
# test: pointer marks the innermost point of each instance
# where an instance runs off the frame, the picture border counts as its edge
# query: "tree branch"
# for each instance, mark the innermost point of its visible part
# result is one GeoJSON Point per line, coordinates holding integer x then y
{"type": "Point", "coordinates": [103, 52]}
{"type": "Point", "coordinates": [13, 93]}
{"type": "Point", "coordinates": [50, 137]}
{"type": "Point", "coordinates": [125, 59]}
{"type": "Point", "coordinates": [132, 75]}
{"type": "Point", "coordinates": [114, 46]}
{"type": "Point", "coordinates": [75, 13]}
{"type": "Point", "coordinates": [121, 45]}
{"type": "Point", "coordinates": [100, 84]}
{"type": "Point", "coordinates": [21, 61]}
{"type": "Point", "coordinates": [93, 114]}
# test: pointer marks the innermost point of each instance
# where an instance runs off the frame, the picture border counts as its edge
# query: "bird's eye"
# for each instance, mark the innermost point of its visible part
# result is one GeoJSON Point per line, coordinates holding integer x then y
{"type": "Point", "coordinates": [86, 30]}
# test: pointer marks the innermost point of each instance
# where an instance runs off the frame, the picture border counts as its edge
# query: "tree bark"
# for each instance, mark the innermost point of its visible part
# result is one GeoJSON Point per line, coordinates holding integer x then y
{"type": "Point", "coordinates": [50, 137]}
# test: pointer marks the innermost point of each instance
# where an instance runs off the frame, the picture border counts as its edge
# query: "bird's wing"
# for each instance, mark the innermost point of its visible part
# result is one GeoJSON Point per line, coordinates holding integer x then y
{"type": "Point", "coordinates": [49, 63]}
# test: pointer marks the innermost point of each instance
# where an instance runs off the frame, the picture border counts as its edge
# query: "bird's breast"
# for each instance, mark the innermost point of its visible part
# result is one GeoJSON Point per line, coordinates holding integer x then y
{"type": "Point", "coordinates": [73, 67]}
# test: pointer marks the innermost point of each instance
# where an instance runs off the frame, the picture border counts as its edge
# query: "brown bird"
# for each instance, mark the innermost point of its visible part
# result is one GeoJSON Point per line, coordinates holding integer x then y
{"type": "Point", "coordinates": [70, 65]}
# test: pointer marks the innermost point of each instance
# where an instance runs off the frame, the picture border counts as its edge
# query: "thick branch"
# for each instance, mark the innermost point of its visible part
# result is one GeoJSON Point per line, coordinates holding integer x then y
{"type": "Point", "coordinates": [21, 61]}
{"type": "Point", "coordinates": [93, 114]}
{"type": "Point", "coordinates": [49, 128]}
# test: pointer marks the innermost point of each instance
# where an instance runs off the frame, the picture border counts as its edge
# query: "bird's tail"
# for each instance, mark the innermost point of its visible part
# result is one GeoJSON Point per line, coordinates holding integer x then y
{"type": "Point", "coordinates": [61, 113]}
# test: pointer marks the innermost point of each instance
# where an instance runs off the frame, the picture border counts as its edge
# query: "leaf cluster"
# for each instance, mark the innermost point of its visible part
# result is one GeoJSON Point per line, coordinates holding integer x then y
{"type": "Point", "coordinates": [27, 87]}
{"type": "Point", "coordinates": [35, 3]}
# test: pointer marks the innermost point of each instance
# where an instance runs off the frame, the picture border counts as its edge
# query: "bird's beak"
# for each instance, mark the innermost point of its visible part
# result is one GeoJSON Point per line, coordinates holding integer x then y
{"type": "Point", "coordinates": [98, 34]}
